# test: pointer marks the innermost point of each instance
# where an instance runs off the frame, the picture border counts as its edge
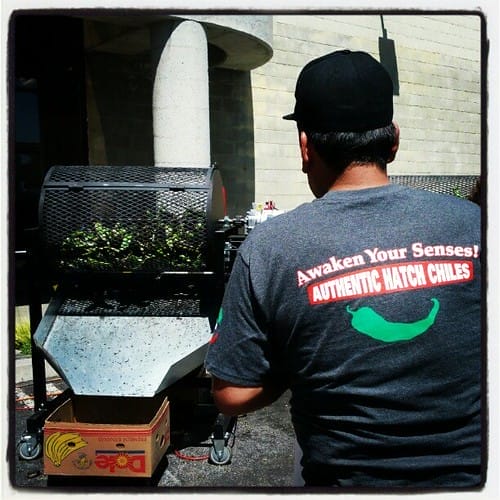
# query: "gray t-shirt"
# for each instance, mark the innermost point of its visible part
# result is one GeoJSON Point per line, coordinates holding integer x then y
{"type": "Point", "coordinates": [367, 305]}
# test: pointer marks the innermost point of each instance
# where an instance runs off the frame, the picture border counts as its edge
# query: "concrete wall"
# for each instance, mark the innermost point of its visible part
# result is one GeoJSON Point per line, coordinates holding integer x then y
{"type": "Point", "coordinates": [438, 106]}
{"type": "Point", "coordinates": [232, 135]}
{"type": "Point", "coordinates": [119, 102]}
{"type": "Point", "coordinates": [119, 109]}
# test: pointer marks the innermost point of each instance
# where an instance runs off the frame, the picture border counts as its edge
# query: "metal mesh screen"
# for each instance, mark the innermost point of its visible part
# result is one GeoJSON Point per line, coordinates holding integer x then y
{"type": "Point", "coordinates": [117, 306]}
{"type": "Point", "coordinates": [171, 176]}
{"type": "Point", "coordinates": [458, 185]}
{"type": "Point", "coordinates": [120, 219]}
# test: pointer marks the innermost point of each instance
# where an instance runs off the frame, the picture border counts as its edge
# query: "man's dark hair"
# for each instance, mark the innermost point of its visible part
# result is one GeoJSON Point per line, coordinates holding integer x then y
{"type": "Point", "coordinates": [339, 149]}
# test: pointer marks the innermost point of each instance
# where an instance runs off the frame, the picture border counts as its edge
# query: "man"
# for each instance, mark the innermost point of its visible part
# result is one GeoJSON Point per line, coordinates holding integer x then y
{"type": "Point", "coordinates": [365, 303]}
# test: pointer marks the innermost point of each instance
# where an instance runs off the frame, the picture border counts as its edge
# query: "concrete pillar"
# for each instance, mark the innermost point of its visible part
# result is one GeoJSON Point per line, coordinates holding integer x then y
{"type": "Point", "coordinates": [181, 126]}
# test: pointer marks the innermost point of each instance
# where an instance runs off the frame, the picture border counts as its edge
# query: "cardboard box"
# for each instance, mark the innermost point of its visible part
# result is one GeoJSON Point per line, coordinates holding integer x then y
{"type": "Point", "coordinates": [76, 448]}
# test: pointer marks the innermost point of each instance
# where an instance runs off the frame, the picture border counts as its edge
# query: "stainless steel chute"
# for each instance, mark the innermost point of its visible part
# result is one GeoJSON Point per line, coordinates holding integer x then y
{"type": "Point", "coordinates": [132, 356]}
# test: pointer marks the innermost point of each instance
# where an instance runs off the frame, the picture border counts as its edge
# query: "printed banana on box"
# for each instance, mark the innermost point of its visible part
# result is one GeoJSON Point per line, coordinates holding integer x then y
{"type": "Point", "coordinates": [73, 448]}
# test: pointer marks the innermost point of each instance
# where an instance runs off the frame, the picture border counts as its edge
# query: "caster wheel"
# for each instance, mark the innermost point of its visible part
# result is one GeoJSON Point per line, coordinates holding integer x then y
{"type": "Point", "coordinates": [220, 459]}
{"type": "Point", "coordinates": [30, 451]}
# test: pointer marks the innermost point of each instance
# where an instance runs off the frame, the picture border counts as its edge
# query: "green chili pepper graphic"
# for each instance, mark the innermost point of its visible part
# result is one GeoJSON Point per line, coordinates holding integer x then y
{"type": "Point", "coordinates": [220, 316]}
{"type": "Point", "coordinates": [365, 320]}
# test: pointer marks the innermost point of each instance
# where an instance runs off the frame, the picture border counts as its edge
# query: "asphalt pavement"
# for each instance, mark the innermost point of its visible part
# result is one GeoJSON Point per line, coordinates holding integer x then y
{"type": "Point", "coordinates": [262, 452]}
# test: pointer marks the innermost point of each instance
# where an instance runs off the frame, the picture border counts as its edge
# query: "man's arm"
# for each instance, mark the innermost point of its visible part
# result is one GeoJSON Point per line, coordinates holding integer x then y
{"type": "Point", "coordinates": [233, 400]}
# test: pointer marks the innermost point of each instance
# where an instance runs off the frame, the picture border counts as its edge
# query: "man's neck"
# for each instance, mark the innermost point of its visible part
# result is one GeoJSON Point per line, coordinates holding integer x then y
{"type": "Point", "coordinates": [360, 176]}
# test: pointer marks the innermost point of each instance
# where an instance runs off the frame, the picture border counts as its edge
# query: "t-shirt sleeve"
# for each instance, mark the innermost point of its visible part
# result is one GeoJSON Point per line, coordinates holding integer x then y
{"type": "Point", "coordinates": [239, 348]}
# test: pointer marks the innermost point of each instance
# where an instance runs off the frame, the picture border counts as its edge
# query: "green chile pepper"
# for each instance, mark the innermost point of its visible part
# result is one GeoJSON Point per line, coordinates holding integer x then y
{"type": "Point", "coordinates": [365, 320]}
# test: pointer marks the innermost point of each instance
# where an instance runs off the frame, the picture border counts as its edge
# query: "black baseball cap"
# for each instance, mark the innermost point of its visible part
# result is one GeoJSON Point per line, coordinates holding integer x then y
{"type": "Point", "coordinates": [343, 91]}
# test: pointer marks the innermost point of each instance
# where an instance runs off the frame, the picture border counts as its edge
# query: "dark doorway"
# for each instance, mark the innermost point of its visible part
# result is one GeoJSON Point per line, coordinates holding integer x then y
{"type": "Point", "coordinates": [48, 106]}
{"type": "Point", "coordinates": [47, 114]}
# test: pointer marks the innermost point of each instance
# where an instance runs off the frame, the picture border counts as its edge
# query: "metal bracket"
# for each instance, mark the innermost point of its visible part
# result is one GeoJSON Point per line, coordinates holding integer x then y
{"type": "Point", "coordinates": [221, 451]}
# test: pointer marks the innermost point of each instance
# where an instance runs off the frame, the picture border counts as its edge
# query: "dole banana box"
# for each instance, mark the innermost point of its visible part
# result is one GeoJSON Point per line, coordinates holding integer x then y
{"type": "Point", "coordinates": [76, 448]}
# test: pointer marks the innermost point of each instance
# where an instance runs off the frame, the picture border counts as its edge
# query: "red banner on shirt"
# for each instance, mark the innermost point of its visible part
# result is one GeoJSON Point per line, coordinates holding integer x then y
{"type": "Point", "coordinates": [390, 278]}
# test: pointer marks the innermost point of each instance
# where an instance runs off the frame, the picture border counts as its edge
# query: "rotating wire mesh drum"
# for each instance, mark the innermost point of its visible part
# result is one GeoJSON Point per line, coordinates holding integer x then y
{"type": "Point", "coordinates": [130, 219]}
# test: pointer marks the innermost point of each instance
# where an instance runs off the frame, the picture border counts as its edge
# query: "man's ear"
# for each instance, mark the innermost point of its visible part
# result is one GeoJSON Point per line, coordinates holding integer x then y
{"type": "Point", "coordinates": [395, 146]}
{"type": "Point", "coordinates": [304, 151]}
